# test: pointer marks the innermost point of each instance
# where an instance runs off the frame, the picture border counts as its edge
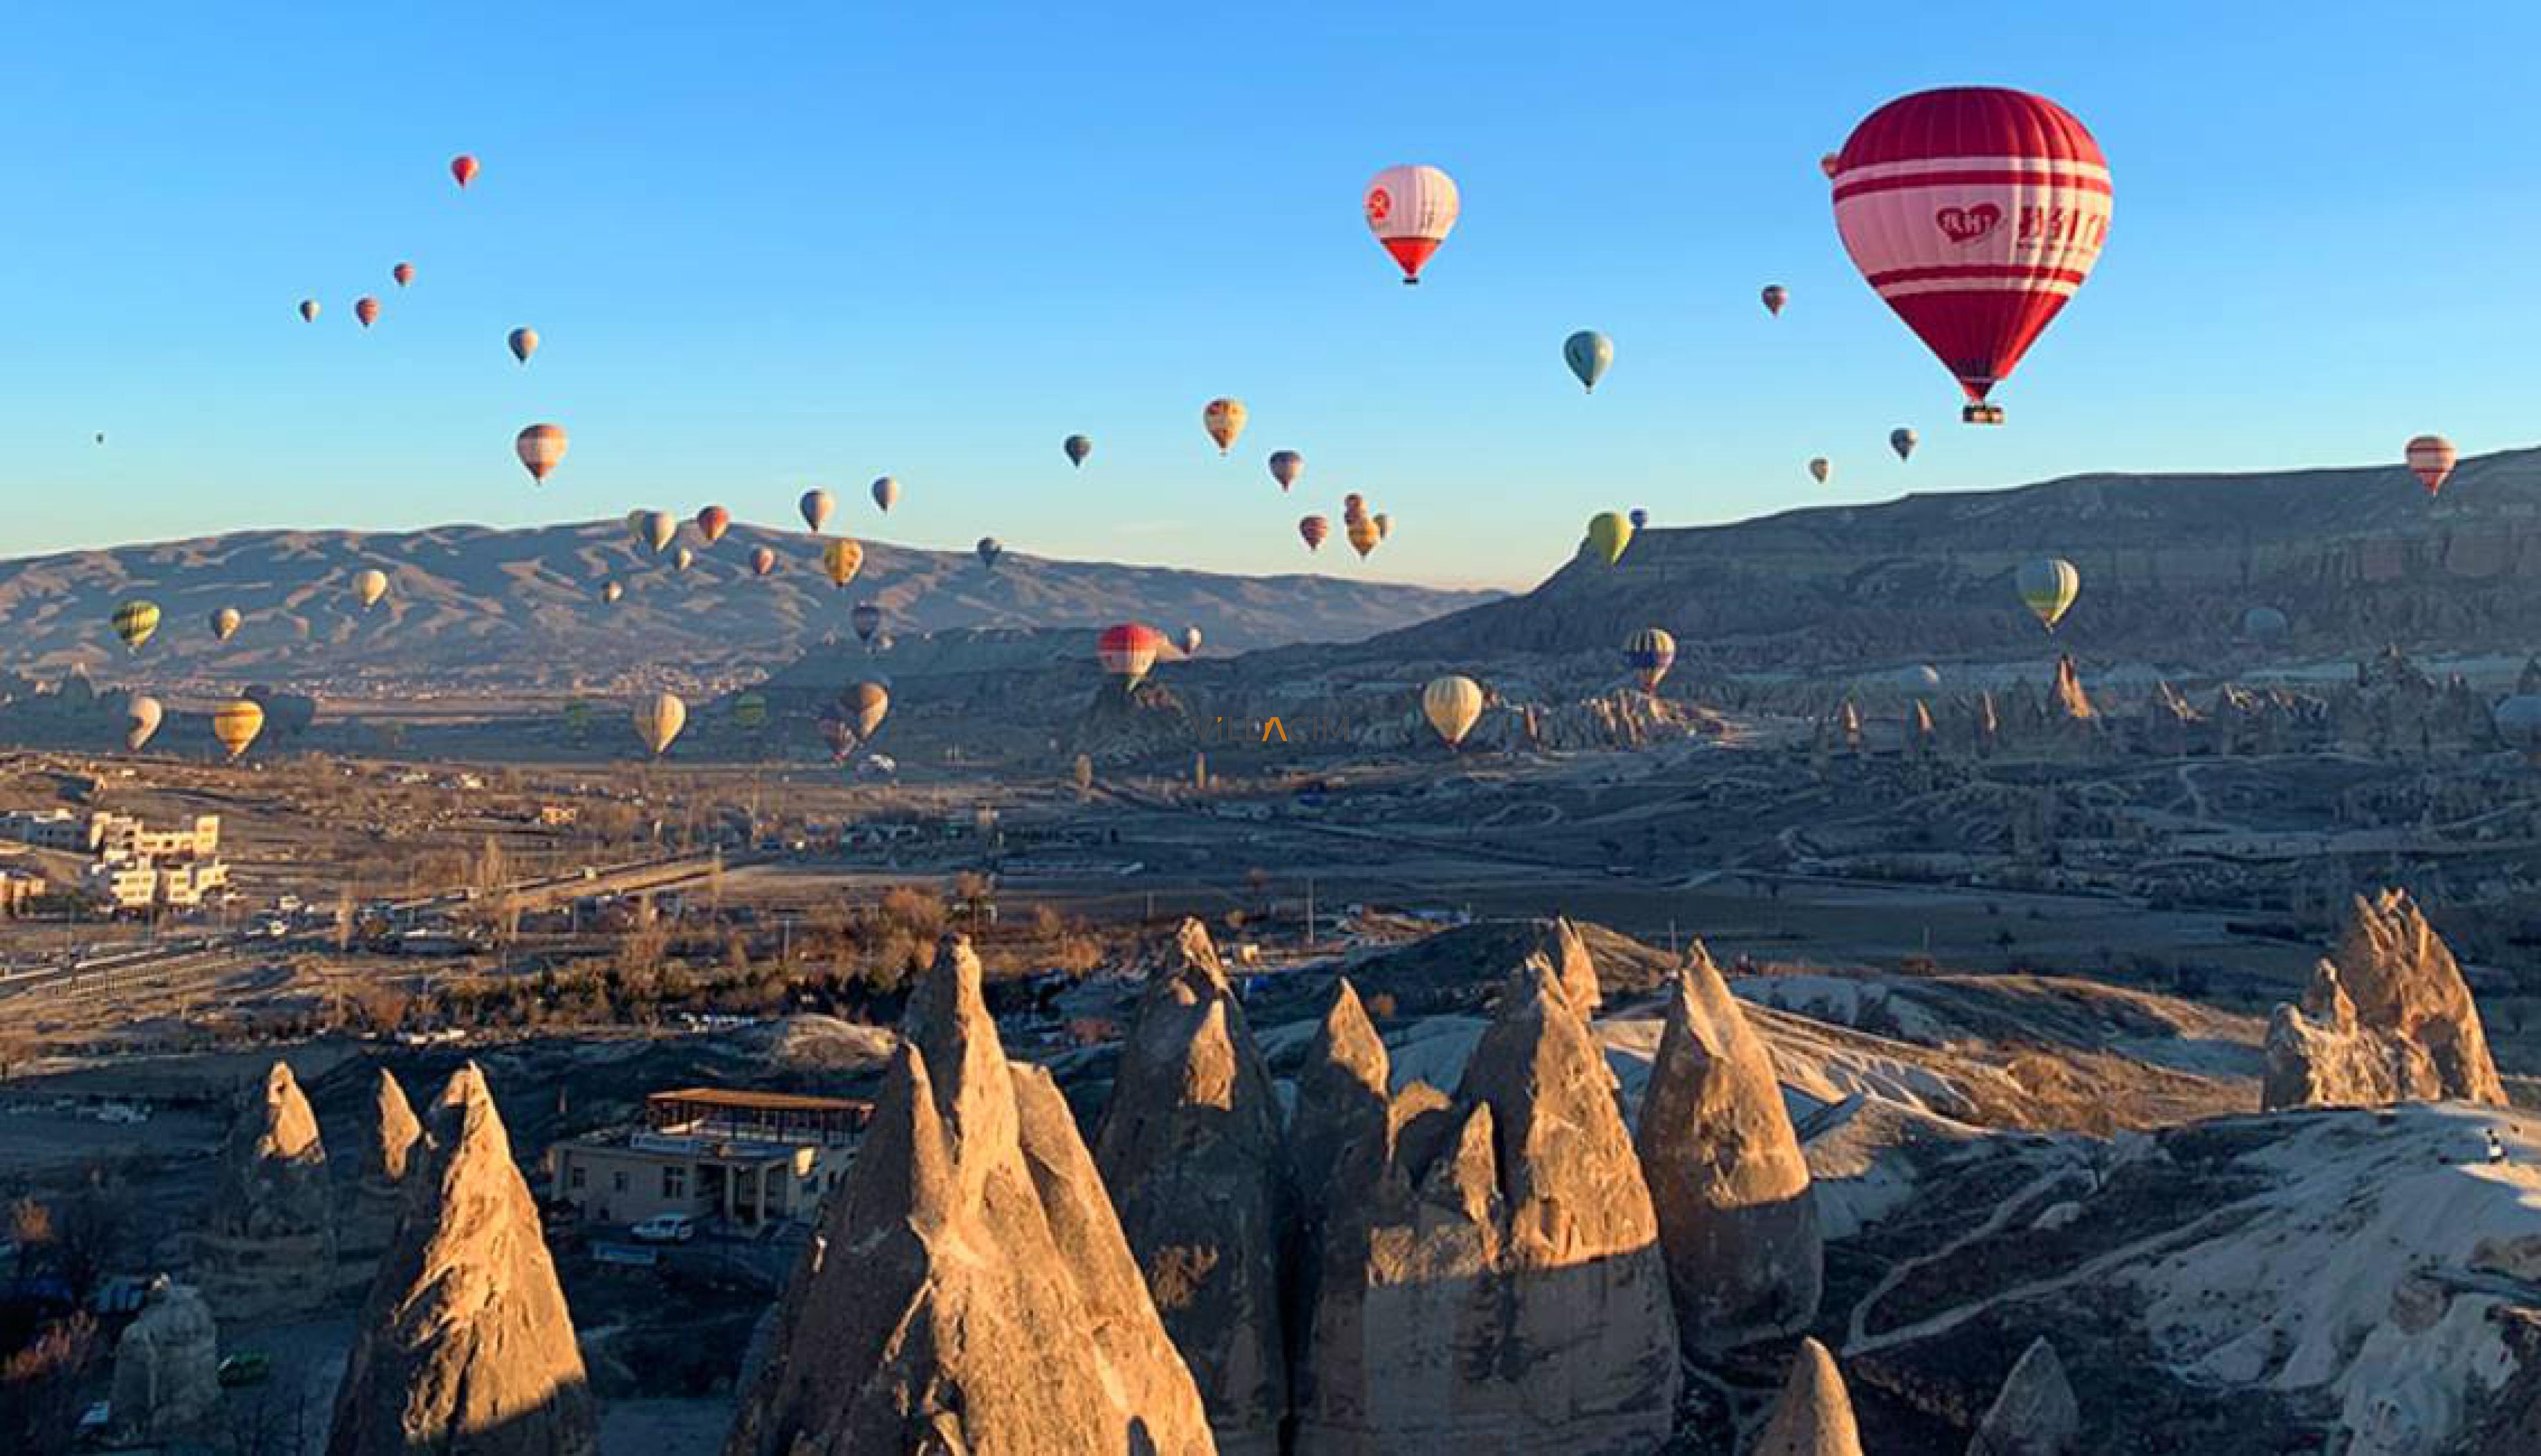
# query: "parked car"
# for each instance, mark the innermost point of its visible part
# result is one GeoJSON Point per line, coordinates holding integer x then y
{"type": "Point", "coordinates": [666, 1228]}
{"type": "Point", "coordinates": [246, 1367]}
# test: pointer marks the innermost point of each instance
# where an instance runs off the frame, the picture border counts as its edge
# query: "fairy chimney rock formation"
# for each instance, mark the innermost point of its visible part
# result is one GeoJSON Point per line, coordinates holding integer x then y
{"type": "Point", "coordinates": [1736, 1215]}
{"type": "Point", "coordinates": [166, 1367]}
{"type": "Point", "coordinates": [371, 1216]}
{"type": "Point", "coordinates": [970, 1290]}
{"type": "Point", "coordinates": [2035, 1415]}
{"type": "Point", "coordinates": [269, 1249]}
{"type": "Point", "coordinates": [1490, 1278]}
{"type": "Point", "coordinates": [1813, 1414]}
{"type": "Point", "coordinates": [1191, 1151]}
{"type": "Point", "coordinates": [465, 1343]}
{"type": "Point", "coordinates": [2068, 701]}
{"type": "Point", "coordinates": [2387, 1018]}
{"type": "Point", "coordinates": [1340, 1097]}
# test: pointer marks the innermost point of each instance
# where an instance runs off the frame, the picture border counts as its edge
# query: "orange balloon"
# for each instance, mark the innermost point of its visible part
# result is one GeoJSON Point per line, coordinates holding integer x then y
{"type": "Point", "coordinates": [540, 448]}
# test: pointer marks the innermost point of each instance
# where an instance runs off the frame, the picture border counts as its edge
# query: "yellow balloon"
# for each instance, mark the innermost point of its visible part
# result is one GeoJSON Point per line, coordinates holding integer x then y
{"type": "Point", "coordinates": [1607, 535]}
{"type": "Point", "coordinates": [236, 723]}
{"type": "Point", "coordinates": [134, 621]}
{"type": "Point", "coordinates": [1453, 705]}
{"type": "Point", "coordinates": [369, 586]}
{"type": "Point", "coordinates": [658, 719]}
{"type": "Point", "coordinates": [842, 559]}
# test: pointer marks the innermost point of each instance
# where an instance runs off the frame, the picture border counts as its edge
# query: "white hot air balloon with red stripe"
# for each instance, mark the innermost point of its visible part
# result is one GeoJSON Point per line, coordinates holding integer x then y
{"type": "Point", "coordinates": [2431, 459]}
{"type": "Point", "coordinates": [1975, 212]}
{"type": "Point", "coordinates": [1412, 210]}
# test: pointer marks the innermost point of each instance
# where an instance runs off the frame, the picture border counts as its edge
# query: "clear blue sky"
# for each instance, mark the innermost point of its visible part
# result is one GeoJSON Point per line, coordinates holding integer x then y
{"type": "Point", "coordinates": [815, 243]}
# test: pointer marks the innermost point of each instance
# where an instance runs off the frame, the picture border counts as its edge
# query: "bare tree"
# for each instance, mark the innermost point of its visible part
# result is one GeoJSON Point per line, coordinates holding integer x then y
{"type": "Point", "coordinates": [40, 1388]}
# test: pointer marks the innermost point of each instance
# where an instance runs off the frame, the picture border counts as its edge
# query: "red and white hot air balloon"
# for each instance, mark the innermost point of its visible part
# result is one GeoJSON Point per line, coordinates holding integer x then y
{"type": "Point", "coordinates": [403, 274]}
{"type": "Point", "coordinates": [1412, 210]}
{"type": "Point", "coordinates": [1128, 651]}
{"type": "Point", "coordinates": [540, 448]}
{"type": "Point", "coordinates": [463, 169]}
{"type": "Point", "coordinates": [2431, 459]}
{"type": "Point", "coordinates": [1975, 212]}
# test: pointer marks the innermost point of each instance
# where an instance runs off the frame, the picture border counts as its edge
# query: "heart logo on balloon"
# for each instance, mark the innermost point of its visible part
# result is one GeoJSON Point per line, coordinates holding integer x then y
{"type": "Point", "coordinates": [1966, 224]}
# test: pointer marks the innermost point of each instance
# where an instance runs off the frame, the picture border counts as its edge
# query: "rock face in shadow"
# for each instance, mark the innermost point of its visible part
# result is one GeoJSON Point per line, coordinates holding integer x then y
{"type": "Point", "coordinates": [166, 1367]}
{"type": "Point", "coordinates": [1191, 1152]}
{"type": "Point", "coordinates": [378, 1196]}
{"type": "Point", "coordinates": [1813, 1414]}
{"type": "Point", "coordinates": [2387, 1018]}
{"type": "Point", "coordinates": [1736, 1215]}
{"type": "Point", "coordinates": [1491, 1278]}
{"type": "Point", "coordinates": [970, 1290]}
{"type": "Point", "coordinates": [2035, 1415]}
{"type": "Point", "coordinates": [270, 1250]}
{"type": "Point", "coordinates": [465, 1343]}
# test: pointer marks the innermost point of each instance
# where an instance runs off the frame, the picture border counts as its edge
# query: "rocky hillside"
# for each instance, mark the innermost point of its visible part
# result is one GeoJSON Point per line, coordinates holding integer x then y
{"type": "Point", "coordinates": [499, 610]}
{"type": "Point", "coordinates": [2355, 558]}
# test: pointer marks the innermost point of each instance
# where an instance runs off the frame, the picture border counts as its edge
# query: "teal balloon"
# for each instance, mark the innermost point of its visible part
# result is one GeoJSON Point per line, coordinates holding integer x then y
{"type": "Point", "coordinates": [1589, 354]}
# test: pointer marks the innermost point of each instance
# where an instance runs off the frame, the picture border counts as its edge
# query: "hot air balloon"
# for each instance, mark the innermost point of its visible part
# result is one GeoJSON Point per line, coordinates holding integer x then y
{"type": "Point", "coordinates": [403, 274]}
{"type": "Point", "coordinates": [1128, 651]}
{"type": "Point", "coordinates": [1903, 440]}
{"type": "Point", "coordinates": [1651, 652]}
{"type": "Point", "coordinates": [1285, 467]}
{"type": "Point", "coordinates": [235, 724]}
{"type": "Point", "coordinates": [1077, 447]}
{"type": "Point", "coordinates": [840, 560]}
{"type": "Point", "coordinates": [1589, 354]}
{"type": "Point", "coordinates": [1384, 524]}
{"type": "Point", "coordinates": [1776, 296]}
{"type": "Point", "coordinates": [609, 591]}
{"type": "Point", "coordinates": [1975, 212]}
{"type": "Point", "coordinates": [867, 703]}
{"type": "Point", "coordinates": [656, 529]}
{"type": "Point", "coordinates": [366, 308]}
{"type": "Point", "coordinates": [1412, 210]}
{"type": "Point", "coordinates": [867, 620]}
{"type": "Point", "coordinates": [1361, 533]}
{"type": "Point", "coordinates": [989, 549]}
{"type": "Point", "coordinates": [1640, 518]}
{"type": "Point", "coordinates": [1313, 530]}
{"type": "Point", "coordinates": [100, 437]}
{"type": "Point", "coordinates": [1827, 164]}
{"type": "Point", "coordinates": [2264, 624]}
{"type": "Point", "coordinates": [1223, 419]}
{"type": "Point", "coordinates": [658, 721]}
{"type": "Point", "coordinates": [2431, 458]}
{"type": "Point", "coordinates": [1353, 505]}
{"type": "Point", "coordinates": [307, 310]}
{"type": "Point", "coordinates": [463, 169]}
{"type": "Point", "coordinates": [1820, 469]}
{"type": "Point", "coordinates": [885, 491]}
{"type": "Point", "coordinates": [2048, 587]}
{"type": "Point", "coordinates": [1191, 642]}
{"type": "Point", "coordinates": [540, 448]}
{"type": "Point", "coordinates": [524, 342]}
{"type": "Point", "coordinates": [815, 507]}
{"type": "Point", "coordinates": [140, 719]}
{"type": "Point", "coordinates": [683, 559]}
{"type": "Point", "coordinates": [1607, 535]}
{"type": "Point", "coordinates": [750, 712]}
{"type": "Point", "coordinates": [134, 621]}
{"type": "Point", "coordinates": [1453, 705]}
{"type": "Point", "coordinates": [225, 623]}
{"type": "Point", "coordinates": [762, 561]}
{"type": "Point", "coordinates": [712, 522]}
{"type": "Point", "coordinates": [370, 583]}
{"type": "Point", "coordinates": [2519, 722]}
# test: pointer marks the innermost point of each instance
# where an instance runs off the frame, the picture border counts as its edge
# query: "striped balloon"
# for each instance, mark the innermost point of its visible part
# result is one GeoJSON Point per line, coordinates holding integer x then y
{"type": "Point", "coordinates": [1312, 532]}
{"type": "Point", "coordinates": [2048, 587]}
{"type": "Point", "coordinates": [2432, 457]}
{"type": "Point", "coordinates": [540, 448]}
{"type": "Point", "coordinates": [1651, 652]}
{"type": "Point", "coordinates": [1976, 213]}
{"type": "Point", "coordinates": [236, 723]}
{"type": "Point", "coordinates": [1128, 651]}
{"type": "Point", "coordinates": [134, 621]}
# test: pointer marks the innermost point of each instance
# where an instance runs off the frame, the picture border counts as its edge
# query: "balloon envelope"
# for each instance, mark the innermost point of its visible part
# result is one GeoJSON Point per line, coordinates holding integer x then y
{"type": "Point", "coordinates": [1223, 419]}
{"type": "Point", "coordinates": [1077, 447]}
{"type": "Point", "coordinates": [885, 492]}
{"type": "Point", "coordinates": [609, 591]}
{"type": "Point", "coordinates": [235, 724]}
{"type": "Point", "coordinates": [1903, 440]}
{"type": "Point", "coordinates": [307, 310]}
{"type": "Point", "coordinates": [657, 530]}
{"type": "Point", "coordinates": [1453, 705]}
{"type": "Point", "coordinates": [1821, 468]}
{"type": "Point", "coordinates": [762, 560]}
{"type": "Point", "coordinates": [1776, 296]}
{"type": "Point", "coordinates": [134, 621]}
{"type": "Point", "coordinates": [2430, 460]}
{"type": "Point", "coordinates": [366, 308]}
{"type": "Point", "coordinates": [2048, 587]}
{"type": "Point", "coordinates": [1609, 532]}
{"type": "Point", "coordinates": [1651, 652]}
{"type": "Point", "coordinates": [712, 522]}
{"type": "Point", "coordinates": [840, 560]}
{"type": "Point", "coordinates": [683, 559]}
{"type": "Point", "coordinates": [140, 719]}
{"type": "Point", "coordinates": [540, 448]}
{"type": "Point", "coordinates": [1312, 531]}
{"type": "Point", "coordinates": [1128, 651]}
{"type": "Point", "coordinates": [1191, 640]}
{"type": "Point", "coordinates": [989, 549]}
{"type": "Point", "coordinates": [403, 274]}
{"type": "Point", "coordinates": [225, 623]}
{"type": "Point", "coordinates": [1285, 467]}
{"type": "Point", "coordinates": [1363, 535]}
{"type": "Point", "coordinates": [1589, 354]}
{"type": "Point", "coordinates": [658, 721]}
{"type": "Point", "coordinates": [866, 619]}
{"type": "Point", "coordinates": [1640, 518]}
{"type": "Point", "coordinates": [524, 342]}
{"type": "Point", "coordinates": [463, 169]}
{"type": "Point", "coordinates": [815, 507]}
{"type": "Point", "coordinates": [1411, 209]}
{"type": "Point", "coordinates": [370, 585]}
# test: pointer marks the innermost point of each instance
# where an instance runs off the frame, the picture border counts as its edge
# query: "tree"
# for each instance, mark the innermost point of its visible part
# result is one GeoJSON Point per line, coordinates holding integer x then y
{"type": "Point", "coordinates": [40, 1388]}
{"type": "Point", "coordinates": [1082, 774]}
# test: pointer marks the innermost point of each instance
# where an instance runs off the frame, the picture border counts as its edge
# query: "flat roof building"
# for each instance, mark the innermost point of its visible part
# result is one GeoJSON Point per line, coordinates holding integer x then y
{"type": "Point", "coordinates": [746, 1157]}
